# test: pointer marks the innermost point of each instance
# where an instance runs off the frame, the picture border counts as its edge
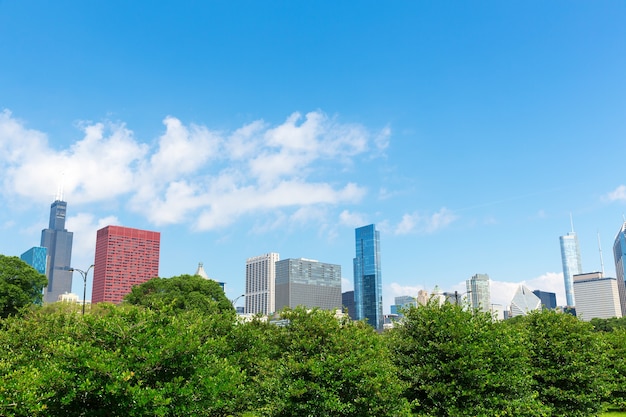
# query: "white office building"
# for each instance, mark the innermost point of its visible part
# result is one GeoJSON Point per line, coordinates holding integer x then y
{"type": "Point", "coordinates": [261, 283]}
{"type": "Point", "coordinates": [596, 296]}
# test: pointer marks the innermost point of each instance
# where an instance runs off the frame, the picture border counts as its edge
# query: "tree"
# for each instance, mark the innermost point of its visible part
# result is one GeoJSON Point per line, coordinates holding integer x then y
{"type": "Point", "coordinates": [20, 285]}
{"type": "Point", "coordinates": [568, 361]}
{"type": "Point", "coordinates": [325, 366]}
{"type": "Point", "coordinates": [458, 362]}
{"type": "Point", "coordinates": [183, 292]}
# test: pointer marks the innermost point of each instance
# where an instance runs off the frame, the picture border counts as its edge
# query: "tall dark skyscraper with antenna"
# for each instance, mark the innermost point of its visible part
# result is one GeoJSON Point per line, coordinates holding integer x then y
{"type": "Point", "coordinates": [58, 242]}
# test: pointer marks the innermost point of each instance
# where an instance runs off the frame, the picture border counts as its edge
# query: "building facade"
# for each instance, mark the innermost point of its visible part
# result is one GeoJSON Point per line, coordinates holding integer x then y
{"type": "Point", "coordinates": [261, 283]}
{"type": "Point", "coordinates": [347, 303]}
{"type": "Point", "coordinates": [402, 303]}
{"type": "Point", "coordinates": [308, 283]}
{"type": "Point", "coordinates": [596, 296]}
{"type": "Point", "coordinates": [58, 243]}
{"type": "Point", "coordinates": [619, 253]}
{"type": "Point", "coordinates": [368, 287]}
{"type": "Point", "coordinates": [524, 301]}
{"type": "Point", "coordinates": [548, 299]}
{"type": "Point", "coordinates": [478, 292]}
{"type": "Point", "coordinates": [572, 264]}
{"type": "Point", "coordinates": [37, 257]}
{"type": "Point", "coordinates": [125, 257]}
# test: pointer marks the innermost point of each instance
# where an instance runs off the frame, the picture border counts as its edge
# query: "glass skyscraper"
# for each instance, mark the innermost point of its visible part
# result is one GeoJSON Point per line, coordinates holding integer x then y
{"type": "Point", "coordinates": [368, 287]}
{"type": "Point", "coordinates": [619, 252]}
{"type": "Point", "coordinates": [37, 257]}
{"type": "Point", "coordinates": [572, 265]}
{"type": "Point", "coordinates": [58, 242]}
{"type": "Point", "coordinates": [478, 292]}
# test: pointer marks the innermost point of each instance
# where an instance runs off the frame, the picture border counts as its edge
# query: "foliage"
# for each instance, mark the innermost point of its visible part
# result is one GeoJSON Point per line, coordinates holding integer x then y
{"type": "Point", "coordinates": [329, 366]}
{"type": "Point", "coordinates": [568, 361]}
{"type": "Point", "coordinates": [616, 366]}
{"type": "Point", "coordinates": [459, 362]}
{"type": "Point", "coordinates": [608, 325]}
{"type": "Point", "coordinates": [118, 362]}
{"type": "Point", "coordinates": [183, 292]}
{"type": "Point", "coordinates": [20, 285]}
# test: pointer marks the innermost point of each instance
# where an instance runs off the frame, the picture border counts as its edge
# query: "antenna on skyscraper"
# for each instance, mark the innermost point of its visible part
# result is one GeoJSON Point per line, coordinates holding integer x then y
{"type": "Point", "coordinates": [59, 196]}
{"type": "Point", "coordinates": [601, 260]}
{"type": "Point", "coordinates": [571, 221]}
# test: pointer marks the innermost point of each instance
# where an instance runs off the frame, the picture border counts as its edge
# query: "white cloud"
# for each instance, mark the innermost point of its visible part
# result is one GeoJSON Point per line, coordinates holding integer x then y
{"type": "Point", "coordinates": [84, 227]}
{"type": "Point", "coordinates": [352, 219]}
{"type": "Point", "coordinates": [192, 174]}
{"type": "Point", "coordinates": [619, 194]}
{"type": "Point", "coordinates": [419, 223]}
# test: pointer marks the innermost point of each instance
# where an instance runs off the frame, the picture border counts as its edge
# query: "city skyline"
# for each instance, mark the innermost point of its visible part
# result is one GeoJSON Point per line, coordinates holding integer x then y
{"type": "Point", "coordinates": [466, 133]}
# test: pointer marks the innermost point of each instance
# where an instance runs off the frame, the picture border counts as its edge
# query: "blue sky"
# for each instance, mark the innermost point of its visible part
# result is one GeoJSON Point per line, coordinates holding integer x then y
{"type": "Point", "coordinates": [466, 131]}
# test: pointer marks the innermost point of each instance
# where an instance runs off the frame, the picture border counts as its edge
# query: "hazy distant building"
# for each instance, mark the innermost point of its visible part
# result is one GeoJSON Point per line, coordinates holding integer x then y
{"type": "Point", "coordinates": [368, 287]}
{"type": "Point", "coordinates": [478, 292]}
{"type": "Point", "coordinates": [572, 264]}
{"type": "Point", "coordinates": [524, 301]}
{"type": "Point", "coordinates": [308, 283]}
{"type": "Point", "coordinates": [202, 273]}
{"type": "Point", "coordinates": [422, 297]}
{"type": "Point", "coordinates": [58, 243]}
{"type": "Point", "coordinates": [37, 257]}
{"type": "Point", "coordinates": [402, 303]}
{"type": "Point", "coordinates": [619, 253]}
{"type": "Point", "coordinates": [347, 303]}
{"type": "Point", "coordinates": [596, 296]}
{"type": "Point", "coordinates": [498, 312]}
{"type": "Point", "coordinates": [261, 283]}
{"type": "Point", "coordinates": [548, 299]}
{"type": "Point", "coordinates": [125, 257]}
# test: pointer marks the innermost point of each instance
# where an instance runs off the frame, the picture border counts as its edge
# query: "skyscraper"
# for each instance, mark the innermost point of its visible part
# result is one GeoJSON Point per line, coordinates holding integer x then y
{"type": "Point", "coordinates": [548, 299]}
{"type": "Point", "coordinates": [368, 287]}
{"type": "Point", "coordinates": [524, 301]}
{"type": "Point", "coordinates": [37, 257]}
{"type": "Point", "coordinates": [308, 283]}
{"type": "Point", "coordinates": [478, 292]}
{"type": "Point", "coordinates": [347, 302]}
{"type": "Point", "coordinates": [261, 283]}
{"type": "Point", "coordinates": [125, 257]}
{"type": "Point", "coordinates": [596, 296]}
{"type": "Point", "coordinates": [619, 253]}
{"type": "Point", "coordinates": [58, 243]}
{"type": "Point", "coordinates": [572, 265]}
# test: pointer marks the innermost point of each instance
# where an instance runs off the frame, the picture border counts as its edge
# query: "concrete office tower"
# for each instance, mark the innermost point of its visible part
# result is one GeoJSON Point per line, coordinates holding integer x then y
{"type": "Point", "coordinates": [125, 257]}
{"type": "Point", "coordinates": [548, 299]}
{"type": "Point", "coordinates": [478, 292]}
{"type": "Point", "coordinates": [308, 283]}
{"type": "Point", "coordinates": [596, 296]}
{"type": "Point", "coordinates": [58, 243]}
{"type": "Point", "coordinates": [261, 283]}
{"type": "Point", "coordinates": [572, 265]}
{"type": "Point", "coordinates": [37, 257]}
{"type": "Point", "coordinates": [368, 287]}
{"type": "Point", "coordinates": [619, 252]}
{"type": "Point", "coordinates": [524, 301]}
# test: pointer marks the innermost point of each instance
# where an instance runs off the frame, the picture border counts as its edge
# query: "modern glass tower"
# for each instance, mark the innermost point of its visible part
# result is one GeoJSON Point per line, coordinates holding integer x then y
{"type": "Point", "coordinates": [478, 292]}
{"type": "Point", "coordinates": [368, 287]}
{"type": "Point", "coordinates": [58, 242]}
{"type": "Point", "coordinates": [572, 265]}
{"type": "Point", "coordinates": [37, 257]}
{"type": "Point", "coordinates": [619, 252]}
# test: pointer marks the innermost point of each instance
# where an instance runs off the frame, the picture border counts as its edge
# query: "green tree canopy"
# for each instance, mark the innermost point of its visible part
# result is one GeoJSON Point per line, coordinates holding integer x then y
{"type": "Point", "coordinates": [20, 285]}
{"type": "Point", "coordinates": [459, 362]}
{"type": "Point", "coordinates": [183, 292]}
{"type": "Point", "coordinates": [569, 362]}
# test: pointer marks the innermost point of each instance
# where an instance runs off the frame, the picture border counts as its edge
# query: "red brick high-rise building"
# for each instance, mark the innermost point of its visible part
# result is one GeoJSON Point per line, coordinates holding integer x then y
{"type": "Point", "coordinates": [125, 257]}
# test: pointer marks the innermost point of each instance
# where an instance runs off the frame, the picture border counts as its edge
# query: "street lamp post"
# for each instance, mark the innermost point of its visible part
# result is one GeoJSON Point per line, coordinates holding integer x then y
{"type": "Point", "coordinates": [84, 275]}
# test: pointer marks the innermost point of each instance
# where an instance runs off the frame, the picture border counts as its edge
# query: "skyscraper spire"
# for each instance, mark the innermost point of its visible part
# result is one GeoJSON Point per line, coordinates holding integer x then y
{"type": "Point", "coordinates": [571, 220]}
{"type": "Point", "coordinates": [59, 195]}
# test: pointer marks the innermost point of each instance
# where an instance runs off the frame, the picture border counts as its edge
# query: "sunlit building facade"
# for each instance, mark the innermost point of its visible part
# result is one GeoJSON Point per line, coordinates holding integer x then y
{"type": "Point", "coordinates": [478, 292]}
{"type": "Point", "coordinates": [368, 287]}
{"type": "Point", "coordinates": [619, 253]}
{"type": "Point", "coordinates": [125, 257]}
{"type": "Point", "coordinates": [261, 283]}
{"type": "Point", "coordinates": [596, 296]}
{"type": "Point", "coordinates": [37, 257]}
{"type": "Point", "coordinates": [572, 264]}
{"type": "Point", "coordinates": [308, 283]}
